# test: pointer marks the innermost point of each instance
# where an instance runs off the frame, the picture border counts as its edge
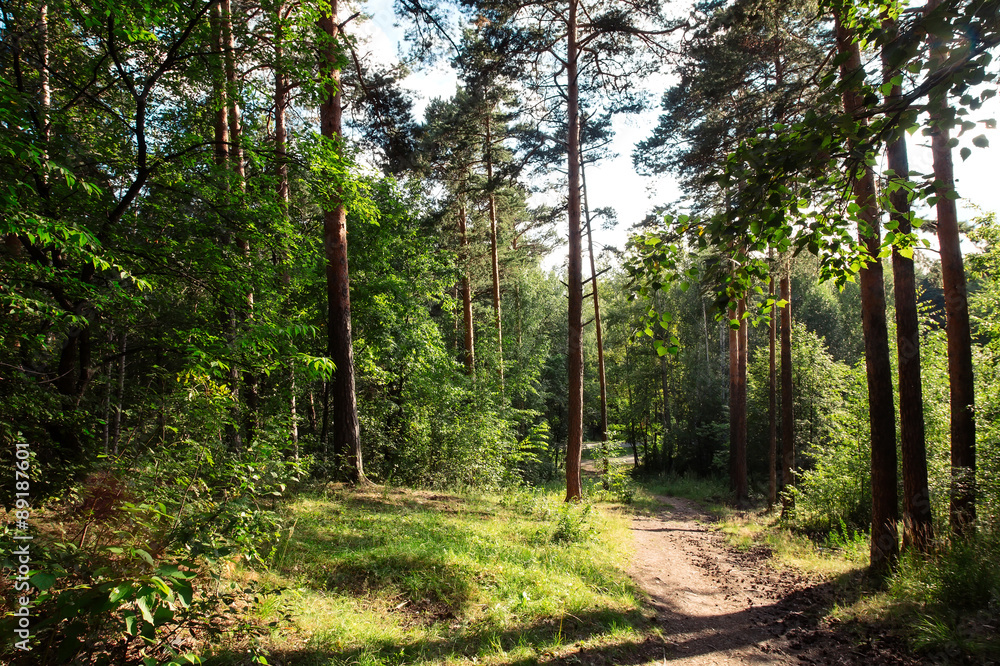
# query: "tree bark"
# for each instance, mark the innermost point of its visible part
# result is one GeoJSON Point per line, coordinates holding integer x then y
{"type": "Point", "coordinates": [222, 137]}
{"type": "Point", "coordinates": [345, 426]}
{"type": "Point", "coordinates": [284, 190]}
{"type": "Point", "coordinates": [494, 246]}
{"type": "Point", "coordinates": [249, 378]}
{"type": "Point", "coordinates": [574, 444]}
{"type": "Point", "coordinates": [470, 341]}
{"type": "Point", "coordinates": [884, 545]}
{"type": "Point", "coordinates": [741, 485]}
{"type": "Point", "coordinates": [917, 523]}
{"type": "Point", "coordinates": [772, 401]}
{"type": "Point", "coordinates": [281, 113]}
{"type": "Point", "coordinates": [956, 305]}
{"type": "Point", "coordinates": [43, 80]}
{"type": "Point", "coordinates": [601, 375]}
{"type": "Point", "coordinates": [116, 424]}
{"type": "Point", "coordinates": [734, 397]}
{"type": "Point", "coordinates": [787, 390]}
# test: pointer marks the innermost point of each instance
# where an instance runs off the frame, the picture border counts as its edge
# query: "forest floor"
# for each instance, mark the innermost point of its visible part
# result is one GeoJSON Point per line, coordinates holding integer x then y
{"type": "Point", "coordinates": [397, 577]}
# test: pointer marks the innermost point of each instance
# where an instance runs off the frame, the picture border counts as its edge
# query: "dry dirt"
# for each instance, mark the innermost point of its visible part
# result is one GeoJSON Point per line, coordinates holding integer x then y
{"type": "Point", "coordinates": [719, 605]}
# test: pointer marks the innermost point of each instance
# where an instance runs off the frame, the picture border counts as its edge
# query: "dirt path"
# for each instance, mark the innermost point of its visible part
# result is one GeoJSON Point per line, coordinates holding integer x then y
{"type": "Point", "coordinates": [717, 605]}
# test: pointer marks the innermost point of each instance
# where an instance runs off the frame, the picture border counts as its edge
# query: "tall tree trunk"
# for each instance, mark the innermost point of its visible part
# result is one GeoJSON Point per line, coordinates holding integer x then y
{"type": "Point", "coordinates": [281, 111]}
{"type": "Point", "coordinates": [222, 136]}
{"type": "Point", "coordinates": [284, 190]}
{"type": "Point", "coordinates": [312, 413]}
{"type": "Point", "coordinates": [601, 375]}
{"type": "Point", "coordinates": [346, 429]}
{"type": "Point", "coordinates": [43, 80]}
{"type": "Point", "coordinates": [884, 545]}
{"type": "Point", "coordinates": [917, 524]}
{"type": "Point", "coordinates": [787, 390]}
{"type": "Point", "coordinates": [494, 246]}
{"type": "Point", "coordinates": [470, 342]}
{"type": "Point", "coordinates": [116, 424]}
{"type": "Point", "coordinates": [956, 306]}
{"type": "Point", "coordinates": [772, 400]}
{"type": "Point", "coordinates": [741, 485]}
{"type": "Point", "coordinates": [734, 397]}
{"type": "Point", "coordinates": [667, 454]}
{"type": "Point", "coordinates": [249, 378]}
{"type": "Point", "coordinates": [574, 444]}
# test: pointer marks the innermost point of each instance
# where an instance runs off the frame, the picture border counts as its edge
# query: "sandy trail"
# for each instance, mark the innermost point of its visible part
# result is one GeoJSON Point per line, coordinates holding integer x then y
{"type": "Point", "coordinates": [709, 609]}
{"type": "Point", "coordinates": [719, 605]}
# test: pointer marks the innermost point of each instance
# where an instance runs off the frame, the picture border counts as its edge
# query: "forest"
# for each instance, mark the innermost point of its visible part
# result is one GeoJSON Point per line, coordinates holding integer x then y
{"type": "Point", "coordinates": [231, 436]}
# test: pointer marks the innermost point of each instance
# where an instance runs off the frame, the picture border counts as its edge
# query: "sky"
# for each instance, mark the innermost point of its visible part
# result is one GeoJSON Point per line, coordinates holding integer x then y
{"type": "Point", "coordinates": [614, 183]}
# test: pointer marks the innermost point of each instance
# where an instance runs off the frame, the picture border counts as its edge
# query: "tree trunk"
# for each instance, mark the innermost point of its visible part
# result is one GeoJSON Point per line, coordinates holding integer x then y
{"type": "Point", "coordinates": [284, 191]}
{"type": "Point", "coordinates": [601, 375]}
{"type": "Point", "coordinates": [787, 391]}
{"type": "Point", "coordinates": [294, 415]}
{"type": "Point", "coordinates": [740, 467]}
{"type": "Point", "coordinates": [470, 342]}
{"type": "Point", "coordinates": [734, 397]}
{"type": "Point", "coordinates": [345, 426]}
{"type": "Point", "coordinates": [494, 247]}
{"type": "Point", "coordinates": [956, 306]}
{"type": "Point", "coordinates": [281, 112]}
{"type": "Point", "coordinates": [222, 137]}
{"type": "Point", "coordinates": [574, 444]}
{"type": "Point", "coordinates": [772, 400]}
{"type": "Point", "coordinates": [116, 424]}
{"type": "Point", "coordinates": [312, 413]}
{"type": "Point", "coordinates": [917, 524]}
{"type": "Point", "coordinates": [884, 546]}
{"type": "Point", "coordinates": [43, 80]}
{"type": "Point", "coordinates": [249, 378]}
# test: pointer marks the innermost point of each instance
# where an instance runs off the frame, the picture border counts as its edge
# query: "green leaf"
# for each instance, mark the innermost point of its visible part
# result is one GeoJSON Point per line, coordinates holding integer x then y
{"type": "Point", "coordinates": [965, 153]}
{"type": "Point", "coordinates": [161, 587]}
{"type": "Point", "coordinates": [980, 141]}
{"type": "Point", "coordinates": [120, 592]}
{"type": "Point", "coordinates": [145, 606]}
{"type": "Point", "coordinates": [130, 621]}
{"type": "Point", "coordinates": [42, 581]}
{"type": "Point", "coordinates": [144, 555]}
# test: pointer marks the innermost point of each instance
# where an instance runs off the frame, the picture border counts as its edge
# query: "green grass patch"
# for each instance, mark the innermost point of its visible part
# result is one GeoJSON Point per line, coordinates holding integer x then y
{"type": "Point", "coordinates": [711, 493]}
{"type": "Point", "coordinates": [392, 576]}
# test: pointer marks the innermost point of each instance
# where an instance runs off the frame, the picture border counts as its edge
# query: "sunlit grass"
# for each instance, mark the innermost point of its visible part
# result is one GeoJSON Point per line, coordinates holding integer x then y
{"type": "Point", "coordinates": [709, 492]}
{"type": "Point", "coordinates": [747, 529]}
{"type": "Point", "coordinates": [390, 576]}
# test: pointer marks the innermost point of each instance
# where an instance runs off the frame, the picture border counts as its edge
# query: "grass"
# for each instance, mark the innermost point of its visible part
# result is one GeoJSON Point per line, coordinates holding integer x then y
{"type": "Point", "coordinates": [392, 576]}
{"type": "Point", "coordinates": [834, 557]}
{"type": "Point", "coordinates": [711, 493]}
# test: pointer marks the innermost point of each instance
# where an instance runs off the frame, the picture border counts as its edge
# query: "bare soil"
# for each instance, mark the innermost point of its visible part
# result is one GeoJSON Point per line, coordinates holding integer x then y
{"type": "Point", "coordinates": [718, 605]}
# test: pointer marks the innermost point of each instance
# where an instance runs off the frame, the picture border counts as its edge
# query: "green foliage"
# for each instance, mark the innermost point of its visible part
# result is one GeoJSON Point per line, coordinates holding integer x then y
{"type": "Point", "coordinates": [853, 543]}
{"type": "Point", "coordinates": [951, 591]}
{"type": "Point", "coordinates": [615, 482]}
{"type": "Point", "coordinates": [572, 524]}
